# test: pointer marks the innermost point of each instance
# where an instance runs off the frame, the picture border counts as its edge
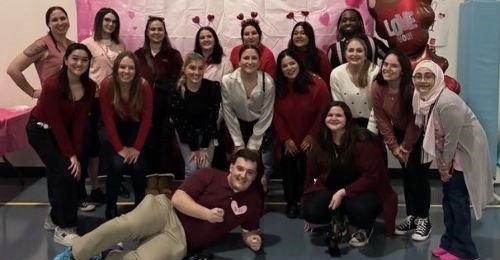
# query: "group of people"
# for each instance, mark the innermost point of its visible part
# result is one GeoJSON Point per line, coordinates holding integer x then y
{"type": "Point", "coordinates": [330, 116]}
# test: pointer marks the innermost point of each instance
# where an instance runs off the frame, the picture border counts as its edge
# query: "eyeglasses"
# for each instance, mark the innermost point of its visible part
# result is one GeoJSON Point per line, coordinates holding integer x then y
{"type": "Point", "coordinates": [428, 76]}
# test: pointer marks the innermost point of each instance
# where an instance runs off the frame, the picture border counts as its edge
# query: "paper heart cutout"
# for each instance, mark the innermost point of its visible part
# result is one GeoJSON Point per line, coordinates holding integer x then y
{"type": "Point", "coordinates": [238, 210]}
{"type": "Point", "coordinates": [131, 14]}
{"type": "Point", "coordinates": [324, 19]}
{"type": "Point", "coordinates": [353, 3]}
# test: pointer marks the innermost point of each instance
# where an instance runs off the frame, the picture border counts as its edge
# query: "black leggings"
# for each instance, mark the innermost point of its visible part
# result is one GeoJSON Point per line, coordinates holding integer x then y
{"type": "Point", "coordinates": [417, 190]}
{"type": "Point", "coordinates": [361, 210]}
{"type": "Point", "coordinates": [138, 171]}
{"type": "Point", "coordinates": [293, 170]}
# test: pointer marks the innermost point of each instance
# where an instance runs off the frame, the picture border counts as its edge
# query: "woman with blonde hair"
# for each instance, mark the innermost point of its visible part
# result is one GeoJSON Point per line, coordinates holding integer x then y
{"type": "Point", "coordinates": [194, 106]}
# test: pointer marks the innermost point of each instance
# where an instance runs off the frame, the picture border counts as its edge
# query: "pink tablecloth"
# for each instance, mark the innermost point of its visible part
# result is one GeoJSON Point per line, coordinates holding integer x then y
{"type": "Point", "coordinates": [12, 129]}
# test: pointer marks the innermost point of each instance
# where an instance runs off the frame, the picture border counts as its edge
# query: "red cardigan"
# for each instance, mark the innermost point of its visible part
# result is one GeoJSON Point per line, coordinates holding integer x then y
{"type": "Point", "coordinates": [66, 118]}
{"type": "Point", "coordinates": [297, 115]}
{"type": "Point", "coordinates": [374, 177]}
{"type": "Point", "coordinates": [388, 118]}
{"type": "Point", "coordinates": [110, 115]}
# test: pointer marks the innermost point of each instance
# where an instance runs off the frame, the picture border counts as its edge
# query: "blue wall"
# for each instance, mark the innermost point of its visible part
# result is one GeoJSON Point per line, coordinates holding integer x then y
{"type": "Point", "coordinates": [479, 63]}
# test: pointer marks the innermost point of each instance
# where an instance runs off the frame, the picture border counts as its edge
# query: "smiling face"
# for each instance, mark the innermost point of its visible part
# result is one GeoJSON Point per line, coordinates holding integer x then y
{"type": "Point", "coordinates": [78, 62]}
{"type": "Point", "coordinates": [391, 68]}
{"type": "Point", "coordinates": [249, 60]}
{"type": "Point", "coordinates": [58, 22]}
{"type": "Point", "coordinates": [194, 72]}
{"type": "Point", "coordinates": [300, 38]}
{"type": "Point", "coordinates": [290, 68]}
{"type": "Point", "coordinates": [424, 80]}
{"type": "Point", "coordinates": [156, 32]}
{"type": "Point", "coordinates": [241, 175]}
{"type": "Point", "coordinates": [349, 22]}
{"type": "Point", "coordinates": [207, 40]}
{"type": "Point", "coordinates": [251, 36]}
{"type": "Point", "coordinates": [355, 53]}
{"type": "Point", "coordinates": [335, 119]}
{"type": "Point", "coordinates": [126, 70]}
{"type": "Point", "coordinates": [109, 23]}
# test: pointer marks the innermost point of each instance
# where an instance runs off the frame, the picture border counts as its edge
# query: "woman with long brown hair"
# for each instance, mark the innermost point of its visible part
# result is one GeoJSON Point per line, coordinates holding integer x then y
{"type": "Point", "coordinates": [127, 106]}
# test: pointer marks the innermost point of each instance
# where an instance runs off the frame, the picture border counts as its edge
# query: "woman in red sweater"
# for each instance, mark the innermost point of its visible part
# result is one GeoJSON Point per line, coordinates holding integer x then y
{"type": "Point", "coordinates": [392, 93]}
{"type": "Point", "coordinates": [300, 99]}
{"type": "Point", "coordinates": [347, 176]}
{"type": "Point", "coordinates": [55, 131]}
{"type": "Point", "coordinates": [127, 107]}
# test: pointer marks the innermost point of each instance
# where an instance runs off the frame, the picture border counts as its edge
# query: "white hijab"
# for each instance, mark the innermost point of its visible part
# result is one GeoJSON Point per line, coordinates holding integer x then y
{"type": "Point", "coordinates": [422, 104]}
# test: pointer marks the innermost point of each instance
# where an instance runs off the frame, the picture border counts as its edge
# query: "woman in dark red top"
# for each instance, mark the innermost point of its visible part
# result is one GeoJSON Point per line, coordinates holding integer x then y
{"type": "Point", "coordinates": [251, 34]}
{"type": "Point", "coordinates": [392, 93]}
{"type": "Point", "coordinates": [347, 176]}
{"type": "Point", "coordinates": [55, 131]}
{"type": "Point", "coordinates": [160, 64]}
{"type": "Point", "coordinates": [127, 108]}
{"type": "Point", "coordinates": [303, 43]}
{"type": "Point", "coordinates": [300, 99]}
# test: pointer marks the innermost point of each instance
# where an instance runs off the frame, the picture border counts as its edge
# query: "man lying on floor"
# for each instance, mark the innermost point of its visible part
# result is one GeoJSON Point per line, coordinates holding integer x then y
{"type": "Point", "coordinates": [208, 205]}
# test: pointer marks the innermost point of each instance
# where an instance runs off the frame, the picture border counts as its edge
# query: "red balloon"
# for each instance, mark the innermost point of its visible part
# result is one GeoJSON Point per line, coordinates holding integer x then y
{"type": "Point", "coordinates": [429, 53]}
{"type": "Point", "coordinates": [452, 84]}
{"type": "Point", "coordinates": [403, 23]}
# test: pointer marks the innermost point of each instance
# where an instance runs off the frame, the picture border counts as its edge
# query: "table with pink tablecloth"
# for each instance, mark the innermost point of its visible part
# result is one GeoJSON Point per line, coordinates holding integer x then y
{"type": "Point", "coordinates": [13, 133]}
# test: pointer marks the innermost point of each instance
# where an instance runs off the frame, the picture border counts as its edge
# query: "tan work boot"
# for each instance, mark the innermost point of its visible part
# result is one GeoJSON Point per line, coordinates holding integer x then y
{"type": "Point", "coordinates": [165, 184]}
{"type": "Point", "coordinates": [152, 185]}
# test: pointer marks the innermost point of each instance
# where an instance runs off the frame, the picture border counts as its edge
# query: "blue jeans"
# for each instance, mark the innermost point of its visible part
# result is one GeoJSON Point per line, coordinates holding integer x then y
{"type": "Point", "coordinates": [457, 238]}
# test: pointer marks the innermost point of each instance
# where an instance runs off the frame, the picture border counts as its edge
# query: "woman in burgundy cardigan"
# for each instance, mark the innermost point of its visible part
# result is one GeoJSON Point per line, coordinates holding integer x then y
{"type": "Point", "coordinates": [347, 176]}
{"type": "Point", "coordinates": [55, 131]}
{"type": "Point", "coordinates": [300, 99]}
{"type": "Point", "coordinates": [127, 107]}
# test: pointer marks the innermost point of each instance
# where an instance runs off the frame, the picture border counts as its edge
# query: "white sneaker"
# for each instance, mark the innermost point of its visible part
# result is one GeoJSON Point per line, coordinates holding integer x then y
{"type": "Point", "coordinates": [86, 207]}
{"type": "Point", "coordinates": [65, 236]}
{"type": "Point", "coordinates": [48, 224]}
{"type": "Point", "coordinates": [360, 238]}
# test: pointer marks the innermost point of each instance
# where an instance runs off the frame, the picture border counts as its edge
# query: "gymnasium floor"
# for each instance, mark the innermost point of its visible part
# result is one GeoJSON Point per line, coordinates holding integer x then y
{"type": "Point", "coordinates": [22, 236]}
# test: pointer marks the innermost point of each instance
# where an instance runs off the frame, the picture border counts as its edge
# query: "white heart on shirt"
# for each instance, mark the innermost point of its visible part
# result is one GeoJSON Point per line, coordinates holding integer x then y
{"type": "Point", "coordinates": [238, 210]}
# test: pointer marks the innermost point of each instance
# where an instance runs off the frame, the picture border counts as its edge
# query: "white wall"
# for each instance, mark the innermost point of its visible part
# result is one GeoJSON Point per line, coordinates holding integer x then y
{"type": "Point", "coordinates": [24, 21]}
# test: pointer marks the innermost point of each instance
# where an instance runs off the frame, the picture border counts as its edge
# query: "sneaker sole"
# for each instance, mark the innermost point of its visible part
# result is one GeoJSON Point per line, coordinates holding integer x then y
{"type": "Point", "coordinates": [61, 241]}
{"type": "Point", "coordinates": [401, 232]}
{"type": "Point", "coordinates": [420, 238]}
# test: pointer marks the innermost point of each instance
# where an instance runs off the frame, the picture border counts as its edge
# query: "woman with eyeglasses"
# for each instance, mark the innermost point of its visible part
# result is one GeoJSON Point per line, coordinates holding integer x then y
{"type": "Point", "coordinates": [105, 44]}
{"type": "Point", "coordinates": [392, 92]}
{"type": "Point", "coordinates": [456, 141]}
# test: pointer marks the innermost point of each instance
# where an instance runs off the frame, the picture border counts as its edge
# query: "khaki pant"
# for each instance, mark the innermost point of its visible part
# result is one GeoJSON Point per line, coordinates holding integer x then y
{"type": "Point", "coordinates": [153, 222]}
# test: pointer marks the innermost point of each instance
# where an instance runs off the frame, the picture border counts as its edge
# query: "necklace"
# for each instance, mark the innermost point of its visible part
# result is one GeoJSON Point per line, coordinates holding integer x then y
{"type": "Point", "coordinates": [105, 46]}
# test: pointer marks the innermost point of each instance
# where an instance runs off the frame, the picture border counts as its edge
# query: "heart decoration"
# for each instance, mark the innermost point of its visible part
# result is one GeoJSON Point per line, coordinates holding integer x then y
{"type": "Point", "coordinates": [238, 210]}
{"type": "Point", "coordinates": [324, 19]}
{"type": "Point", "coordinates": [131, 14]}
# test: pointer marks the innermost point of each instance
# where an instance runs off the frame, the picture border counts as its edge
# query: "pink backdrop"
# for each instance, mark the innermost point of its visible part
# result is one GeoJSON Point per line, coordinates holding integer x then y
{"type": "Point", "coordinates": [178, 14]}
